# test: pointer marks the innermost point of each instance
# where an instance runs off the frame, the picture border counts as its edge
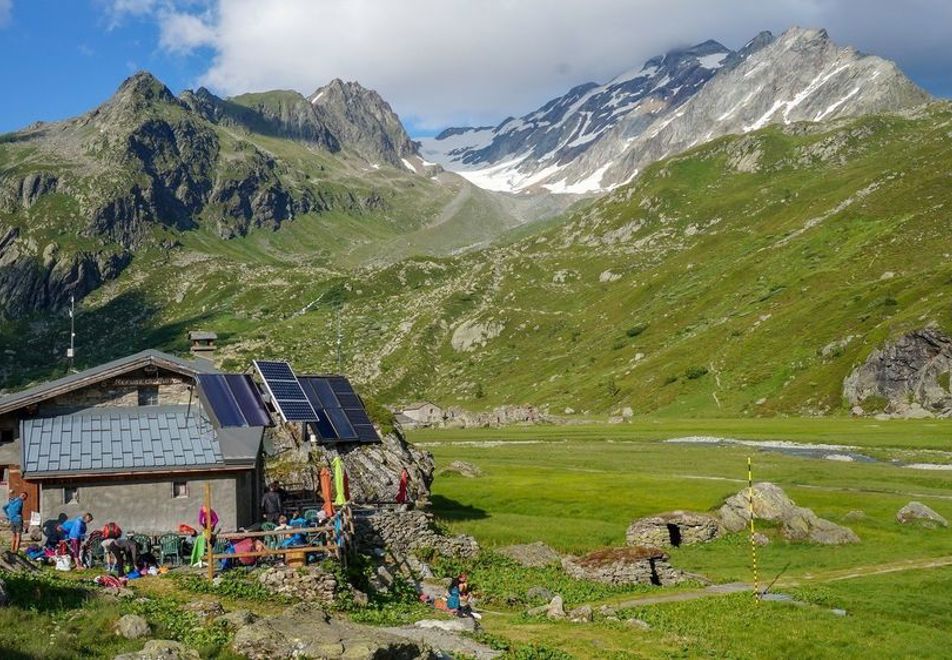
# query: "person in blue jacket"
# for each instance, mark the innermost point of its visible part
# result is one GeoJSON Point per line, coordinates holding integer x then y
{"type": "Point", "coordinates": [75, 531]}
{"type": "Point", "coordinates": [14, 511]}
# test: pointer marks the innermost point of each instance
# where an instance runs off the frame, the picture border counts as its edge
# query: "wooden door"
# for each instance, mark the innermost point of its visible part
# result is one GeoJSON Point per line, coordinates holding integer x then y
{"type": "Point", "coordinates": [18, 484]}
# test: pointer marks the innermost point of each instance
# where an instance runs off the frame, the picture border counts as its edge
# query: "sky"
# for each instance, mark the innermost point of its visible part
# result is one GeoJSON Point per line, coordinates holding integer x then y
{"type": "Point", "coordinates": [438, 62]}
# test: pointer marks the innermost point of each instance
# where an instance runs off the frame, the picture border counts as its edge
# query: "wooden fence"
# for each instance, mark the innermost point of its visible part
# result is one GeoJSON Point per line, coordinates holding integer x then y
{"type": "Point", "coordinates": [337, 549]}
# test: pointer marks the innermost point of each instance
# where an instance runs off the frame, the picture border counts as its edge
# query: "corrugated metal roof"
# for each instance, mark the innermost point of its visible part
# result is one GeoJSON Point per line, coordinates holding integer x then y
{"type": "Point", "coordinates": [101, 372]}
{"type": "Point", "coordinates": [120, 439]}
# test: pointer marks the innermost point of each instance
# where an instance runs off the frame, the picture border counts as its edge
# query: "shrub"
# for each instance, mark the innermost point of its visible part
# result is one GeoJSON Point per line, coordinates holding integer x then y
{"type": "Point", "coordinates": [618, 344]}
{"type": "Point", "coordinates": [693, 373]}
{"type": "Point", "coordinates": [874, 403]}
{"type": "Point", "coordinates": [670, 379]}
{"type": "Point", "coordinates": [636, 330]}
{"type": "Point", "coordinates": [943, 381]}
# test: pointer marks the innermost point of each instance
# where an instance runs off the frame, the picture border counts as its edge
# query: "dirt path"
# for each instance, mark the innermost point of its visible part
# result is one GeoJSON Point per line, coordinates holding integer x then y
{"type": "Point", "coordinates": [808, 578]}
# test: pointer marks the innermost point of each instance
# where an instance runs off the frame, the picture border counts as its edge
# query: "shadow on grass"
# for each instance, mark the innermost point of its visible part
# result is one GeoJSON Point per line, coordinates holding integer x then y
{"type": "Point", "coordinates": [451, 510]}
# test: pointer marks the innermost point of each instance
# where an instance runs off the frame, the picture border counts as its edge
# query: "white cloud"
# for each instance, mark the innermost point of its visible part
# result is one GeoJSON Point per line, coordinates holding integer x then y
{"type": "Point", "coordinates": [6, 7]}
{"type": "Point", "coordinates": [443, 62]}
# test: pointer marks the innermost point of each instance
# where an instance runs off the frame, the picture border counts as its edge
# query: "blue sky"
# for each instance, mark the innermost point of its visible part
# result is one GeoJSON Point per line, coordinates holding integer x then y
{"type": "Point", "coordinates": [438, 62]}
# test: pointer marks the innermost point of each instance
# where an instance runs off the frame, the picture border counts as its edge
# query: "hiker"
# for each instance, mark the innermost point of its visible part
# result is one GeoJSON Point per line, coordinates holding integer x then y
{"type": "Point", "coordinates": [75, 531]}
{"type": "Point", "coordinates": [110, 533]}
{"type": "Point", "coordinates": [453, 596]}
{"type": "Point", "coordinates": [123, 551]}
{"type": "Point", "coordinates": [14, 512]}
{"type": "Point", "coordinates": [402, 488]}
{"type": "Point", "coordinates": [212, 522]}
{"type": "Point", "coordinates": [271, 504]}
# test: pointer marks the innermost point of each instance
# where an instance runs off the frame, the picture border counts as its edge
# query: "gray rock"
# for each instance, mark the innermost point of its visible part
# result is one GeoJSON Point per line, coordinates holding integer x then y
{"type": "Point", "coordinates": [537, 611]}
{"type": "Point", "coordinates": [306, 631]}
{"type": "Point", "coordinates": [238, 618]}
{"type": "Point", "coordinates": [446, 644]}
{"type": "Point", "coordinates": [555, 609]}
{"type": "Point", "coordinates": [920, 514]}
{"type": "Point", "coordinates": [457, 624]}
{"type": "Point", "coordinates": [531, 555]}
{"type": "Point", "coordinates": [638, 623]}
{"type": "Point", "coordinates": [631, 565]}
{"type": "Point", "coordinates": [582, 614]}
{"type": "Point", "coordinates": [205, 608]}
{"type": "Point", "coordinates": [910, 374]}
{"type": "Point", "coordinates": [673, 529]}
{"type": "Point", "coordinates": [540, 593]}
{"type": "Point", "coordinates": [4, 598]}
{"type": "Point", "coordinates": [132, 626]}
{"type": "Point", "coordinates": [162, 649]}
{"type": "Point", "coordinates": [853, 516]}
{"type": "Point", "coordinates": [771, 503]}
{"type": "Point", "coordinates": [761, 539]}
{"type": "Point", "coordinates": [463, 469]}
{"type": "Point", "coordinates": [607, 611]}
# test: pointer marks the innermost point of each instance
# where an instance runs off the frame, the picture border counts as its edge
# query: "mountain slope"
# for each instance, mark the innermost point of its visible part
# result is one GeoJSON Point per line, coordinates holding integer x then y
{"type": "Point", "coordinates": [598, 136]}
{"type": "Point", "coordinates": [744, 277]}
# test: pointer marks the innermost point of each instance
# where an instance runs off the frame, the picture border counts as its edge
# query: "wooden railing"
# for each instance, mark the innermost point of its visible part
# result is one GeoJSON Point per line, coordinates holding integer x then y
{"type": "Point", "coordinates": [337, 548]}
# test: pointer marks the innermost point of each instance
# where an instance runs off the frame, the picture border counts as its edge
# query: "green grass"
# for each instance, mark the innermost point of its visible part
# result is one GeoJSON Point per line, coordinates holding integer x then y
{"type": "Point", "coordinates": [577, 489]}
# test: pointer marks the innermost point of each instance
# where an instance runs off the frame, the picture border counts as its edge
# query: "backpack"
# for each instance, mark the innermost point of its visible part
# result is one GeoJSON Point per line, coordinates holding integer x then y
{"type": "Point", "coordinates": [111, 531]}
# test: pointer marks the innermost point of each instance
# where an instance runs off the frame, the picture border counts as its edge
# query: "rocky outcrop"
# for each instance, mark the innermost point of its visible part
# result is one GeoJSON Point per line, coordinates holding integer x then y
{"type": "Point", "coordinates": [312, 584]}
{"type": "Point", "coordinates": [161, 649]}
{"type": "Point", "coordinates": [305, 631]}
{"type": "Point", "coordinates": [913, 369]}
{"type": "Point", "coordinates": [463, 469]}
{"type": "Point", "coordinates": [456, 417]}
{"type": "Point", "coordinates": [634, 565]}
{"type": "Point", "coordinates": [674, 528]}
{"type": "Point", "coordinates": [401, 532]}
{"type": "Point", "coordinates": [918, 513]}
{"type": "Point", "coordinates": [531, 555]}
{"type": "Point", "coordinates": [447, 638]}
{"type": "Point", "coordinates": [796, 523]}
{"type": "Point", "coordinates": [132, 626]}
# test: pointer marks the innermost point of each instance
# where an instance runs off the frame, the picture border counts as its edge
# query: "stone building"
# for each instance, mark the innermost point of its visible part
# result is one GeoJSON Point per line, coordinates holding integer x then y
{"type": "Point", "coordinates": [134, 441]}
{"type": "Point", "coordinates": [423, 413]}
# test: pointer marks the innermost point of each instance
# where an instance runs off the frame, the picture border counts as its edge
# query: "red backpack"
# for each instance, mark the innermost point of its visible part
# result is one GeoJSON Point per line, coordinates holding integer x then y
{"type": "Point", "coordinates": [111, 531]}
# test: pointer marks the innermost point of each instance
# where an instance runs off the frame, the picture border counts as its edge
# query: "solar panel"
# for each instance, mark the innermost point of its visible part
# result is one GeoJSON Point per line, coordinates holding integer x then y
{"type": "Point", "coordinates": [285, 391]}
{"type": "Point", "coordinates": [249, 400]}
{"type": "Point", "coordinates": [220, 400]}
{"type": "Point", "coordinates": [347, 419]}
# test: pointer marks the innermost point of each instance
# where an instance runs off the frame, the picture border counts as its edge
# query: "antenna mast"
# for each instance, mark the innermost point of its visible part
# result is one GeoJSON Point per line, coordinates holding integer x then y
{"type": "Point", "coordinates": [71, 351]}
{"type": "Point", "coordinates": [339, 340]}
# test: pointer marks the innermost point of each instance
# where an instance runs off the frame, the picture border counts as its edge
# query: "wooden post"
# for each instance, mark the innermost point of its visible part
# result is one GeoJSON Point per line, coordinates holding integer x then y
{"type": "Point", "coordinates": [208, 530]}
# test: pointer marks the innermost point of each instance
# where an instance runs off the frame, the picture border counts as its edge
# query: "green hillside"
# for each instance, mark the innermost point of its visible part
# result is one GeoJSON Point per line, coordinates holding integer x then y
{"type": "Point", "coordinates": [746, 276]}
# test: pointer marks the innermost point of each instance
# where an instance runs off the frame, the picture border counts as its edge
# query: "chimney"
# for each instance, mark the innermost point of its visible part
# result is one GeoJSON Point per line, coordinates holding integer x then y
{"type": "Point", "coordinates": [203, 342]}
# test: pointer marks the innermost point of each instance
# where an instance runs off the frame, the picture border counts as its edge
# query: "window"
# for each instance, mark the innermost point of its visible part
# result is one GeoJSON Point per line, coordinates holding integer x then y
{"type": "Point", "coordinates": [179, 489]}
{"type": "Point", "coordinates": [149, 395]}
{"type": "Point", "coordinates": [3, 474]}
{"type": "Point", "coordinates": [6, 435]}
{"type": "Point", "coordinates": [70, 495]}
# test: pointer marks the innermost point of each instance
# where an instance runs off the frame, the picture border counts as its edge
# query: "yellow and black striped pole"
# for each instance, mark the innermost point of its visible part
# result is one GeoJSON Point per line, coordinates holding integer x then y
{"type": "Point", "coordinates": [753, 542]}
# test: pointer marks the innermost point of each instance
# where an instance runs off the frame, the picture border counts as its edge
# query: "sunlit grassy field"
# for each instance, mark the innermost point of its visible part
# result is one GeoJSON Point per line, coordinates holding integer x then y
{"type": "Point", "coordinates": [578, 488]}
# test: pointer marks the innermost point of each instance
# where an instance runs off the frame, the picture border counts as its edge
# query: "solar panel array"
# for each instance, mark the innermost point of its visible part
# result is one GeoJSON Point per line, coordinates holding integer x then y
{"type": "Point", "coordinates": [344, 415]}
{"type": "Point", "coordinates": [285, 390]}
{"type": "Point", "coordinates": [233, 400]}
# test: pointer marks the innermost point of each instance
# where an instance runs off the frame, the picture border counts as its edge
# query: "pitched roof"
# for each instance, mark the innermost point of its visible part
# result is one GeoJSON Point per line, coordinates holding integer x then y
{"type": "Point", "coordinates": [111, 369]}
{"type": "Point", "coordinates": [119, 439]}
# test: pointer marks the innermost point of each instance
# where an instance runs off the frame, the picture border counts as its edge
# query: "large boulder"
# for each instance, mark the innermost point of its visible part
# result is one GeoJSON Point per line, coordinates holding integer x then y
{"type": "Point", "coordinates": [450, 642]}
{"type": "Point", "coordinates": [632, 565]}
{"type": "Point", "coordinates": [675, 528]}
{"type": "Point", "coordinates": [906, 377]}
{"type": "Point", "coordinates": [305, 631]}
{"type": "Point", "coordinates": [132, 626]}
{"type": "Point", "coordinates": [531, 555]}
{"type": "Point", "coordinates": [797, 523]}
{"type": "Point", "coordinates": [918, 513]}
{"type": "Point", "coordinates": [161, 649]}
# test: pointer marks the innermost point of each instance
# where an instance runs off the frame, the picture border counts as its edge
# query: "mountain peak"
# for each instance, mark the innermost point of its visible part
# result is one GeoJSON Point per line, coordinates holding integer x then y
{"type": "Point", "coordinates": [143, 86]}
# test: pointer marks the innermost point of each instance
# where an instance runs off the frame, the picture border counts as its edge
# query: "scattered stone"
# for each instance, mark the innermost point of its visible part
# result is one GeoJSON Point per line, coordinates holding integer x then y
{"type": "Point", "coordinates": [555, 610]}
{"type": "Point", "coordinates": [531, 555]}
{"type": "Point", "coordinates": [458, 624]}
{"type": "Point", "coordinates": [205, 608]}
{"type": "Point", "coordinates": [853, 516]}
{"type": "Point", "coordinates": [638, 623]}
{"type": "Point", "coordinates": [238, 618]}
{"type": "Point", "coordinates": [463, 469]}
{"type": "Point", "coordinates": [838, 612]}
{"type": "Point", "coordinates": [607, 611]}
{"type": "Point", "coordinates": [920, 514]}
{"type": "Point", "coordinates": [797, 523]}
{"type": "Point", "coordinates": [305, 631]}
{"type": "Point", "coordinates": [537, 611]}
{"type": "Point", "coordinates": [633, 565]}
{"type": "Point", "coordinates": [582, 614]}
{"type": "Point", "coordinates": [309, 584]}
{"type": "Point", "coordinates": [132, 626]}
{"type": "Point", "coordinates": [540, 593]}
{"type": "Point", "coordinates": [761, 539]}
{"type": "Point", "coordinates": [673, 529]}
{"type": "Point", "coordinates": [161, 649]}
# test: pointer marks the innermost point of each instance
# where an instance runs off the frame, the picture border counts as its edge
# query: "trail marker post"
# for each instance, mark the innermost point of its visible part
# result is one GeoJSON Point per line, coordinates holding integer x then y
{"type": "Point", "coordinates": [753, 542]}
